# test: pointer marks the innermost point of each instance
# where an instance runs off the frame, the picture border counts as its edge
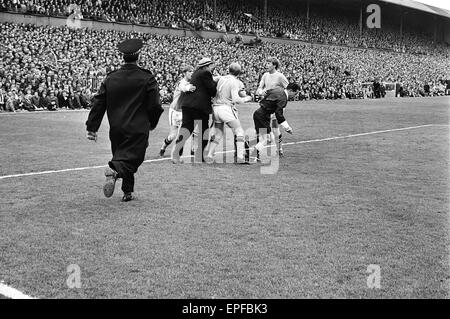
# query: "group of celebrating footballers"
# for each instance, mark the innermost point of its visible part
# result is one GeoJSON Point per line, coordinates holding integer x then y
{"type": "Point", "coordinates": [130, 97]}
{"type": "Point", "coordinates": [274, 90]}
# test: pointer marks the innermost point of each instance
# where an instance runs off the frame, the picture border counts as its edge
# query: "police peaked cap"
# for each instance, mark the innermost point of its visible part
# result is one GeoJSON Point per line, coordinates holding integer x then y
{"type": "Point", "coordinates": [130, 46]}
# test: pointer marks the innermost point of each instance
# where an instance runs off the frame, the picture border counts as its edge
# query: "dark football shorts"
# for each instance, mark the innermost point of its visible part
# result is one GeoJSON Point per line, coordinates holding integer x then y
{"type": "Point", "coordinates": [262, 120]}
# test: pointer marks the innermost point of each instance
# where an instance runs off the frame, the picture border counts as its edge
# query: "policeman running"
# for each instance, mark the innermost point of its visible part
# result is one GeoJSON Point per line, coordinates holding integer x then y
{"type": "Point", "coordinates": [130, 97]}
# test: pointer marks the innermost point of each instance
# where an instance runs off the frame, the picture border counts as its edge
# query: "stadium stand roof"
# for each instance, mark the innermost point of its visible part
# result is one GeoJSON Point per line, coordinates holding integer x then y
{"type": "Point", "coordinates": [420, 6]}
{"type": "Point", "coordinates": [402, 3]}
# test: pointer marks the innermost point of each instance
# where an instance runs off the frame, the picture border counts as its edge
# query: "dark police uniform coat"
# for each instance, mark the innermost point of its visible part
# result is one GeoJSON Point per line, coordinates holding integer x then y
{"type": "Point", "coordinates": [130, 97]}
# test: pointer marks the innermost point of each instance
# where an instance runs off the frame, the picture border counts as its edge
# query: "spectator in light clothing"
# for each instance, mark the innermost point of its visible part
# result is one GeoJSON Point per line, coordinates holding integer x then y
{"type": "Point", "coordinates": [3, 98]}
{"type": "Point", "coordinates": [10, 103]}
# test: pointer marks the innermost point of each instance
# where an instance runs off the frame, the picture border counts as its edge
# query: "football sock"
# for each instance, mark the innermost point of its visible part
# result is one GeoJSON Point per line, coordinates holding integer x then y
{"type": "Point", "coordinates": [166, 143]}
{"type": "Point", "coordinates": [212, 148]}
{"type": "Point", "coordinates": [240, 147]}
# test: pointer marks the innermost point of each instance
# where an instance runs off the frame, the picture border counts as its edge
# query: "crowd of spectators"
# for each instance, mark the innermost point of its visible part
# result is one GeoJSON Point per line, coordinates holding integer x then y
{"type": "Point", "coordinates": [236, 16]}
{"type": "Point", "coordinates": [84, 56]}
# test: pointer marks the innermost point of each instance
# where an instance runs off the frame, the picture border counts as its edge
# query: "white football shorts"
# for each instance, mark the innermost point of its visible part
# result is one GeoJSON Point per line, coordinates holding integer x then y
{"type": "Point", "coordinates": [175, 117]}
{"type": "Point", "coordinates": [224, 113]}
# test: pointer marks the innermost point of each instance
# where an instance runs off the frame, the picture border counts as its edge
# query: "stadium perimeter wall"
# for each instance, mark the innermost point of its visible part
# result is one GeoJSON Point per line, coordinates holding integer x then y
{"type": "Point", "coordinates": [126, 27]}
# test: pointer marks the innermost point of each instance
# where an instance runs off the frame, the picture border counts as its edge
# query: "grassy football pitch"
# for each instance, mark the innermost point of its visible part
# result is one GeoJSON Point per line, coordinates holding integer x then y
{"type": "Point", "coordinates": [340, 201]}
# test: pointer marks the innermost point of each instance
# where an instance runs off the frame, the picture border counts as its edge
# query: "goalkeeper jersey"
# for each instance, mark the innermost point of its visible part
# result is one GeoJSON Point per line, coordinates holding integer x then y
{"type": "Point", "coordinates": [273, 80]}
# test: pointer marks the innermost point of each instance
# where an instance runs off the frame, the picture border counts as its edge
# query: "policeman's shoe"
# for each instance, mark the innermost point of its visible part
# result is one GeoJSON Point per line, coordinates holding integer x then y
{"type": "Point", "coordinates": [280, 152]}
{"type": "Point", "coordinates": [127, 197]}
{"type": "Point", "coordinates": [161, 152]}
{"type": "Point", "coordinates": [110, 183]}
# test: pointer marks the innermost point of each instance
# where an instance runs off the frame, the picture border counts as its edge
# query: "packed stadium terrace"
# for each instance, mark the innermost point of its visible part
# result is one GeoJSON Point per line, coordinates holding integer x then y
{"type": "Point", "coordinates": [85, 56]}
{"type": "Point", "coordinates": [325, 25]}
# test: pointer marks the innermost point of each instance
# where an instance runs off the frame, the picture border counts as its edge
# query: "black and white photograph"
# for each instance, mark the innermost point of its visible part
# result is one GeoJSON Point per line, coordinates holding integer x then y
{"type": "Point", "coordinates": [225, 154]}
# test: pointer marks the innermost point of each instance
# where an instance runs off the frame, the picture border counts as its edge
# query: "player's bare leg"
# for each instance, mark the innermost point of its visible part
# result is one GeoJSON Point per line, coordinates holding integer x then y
{"type": "Point", "coordinates": [240, 141]}
{"type": "Point", "coordinates": [262, 141]}
{"type": "Point", "coordinates": [218, 135]}
{"type": "Point", "coordinates": [193, 142]}
{"type": "Point", "coordinates": [257, 159]}
{"type": "Point", "coordinates": [277, 132]}
{"type": "Point", "coordinates": [169, 139]}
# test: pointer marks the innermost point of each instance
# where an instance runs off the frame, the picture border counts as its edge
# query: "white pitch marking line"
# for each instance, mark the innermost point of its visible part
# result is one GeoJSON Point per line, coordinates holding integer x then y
{"type": "Point", "coordinates": [12, 293]}
{"type": "Point", "coordinates": [52, 172]}
{"type": "Point", "coordinates": [41, 112]}
{"type": "Point", "coordinates": [168, 158]}
{"type": "Point", "coordinates": [360, 134]}
{"type": "Point", "coordinates": [53, 112]}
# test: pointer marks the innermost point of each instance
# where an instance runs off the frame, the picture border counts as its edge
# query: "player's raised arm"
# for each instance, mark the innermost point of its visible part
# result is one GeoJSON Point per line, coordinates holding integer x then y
{"type": "Point", "coordinates": [238, 94]}
{"type": "Point", "coordinates": [281, 104]}
{"type": "Point", "coordinates": [279, 114]}
{"type": "Point", "coordinates": [185, 86]}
